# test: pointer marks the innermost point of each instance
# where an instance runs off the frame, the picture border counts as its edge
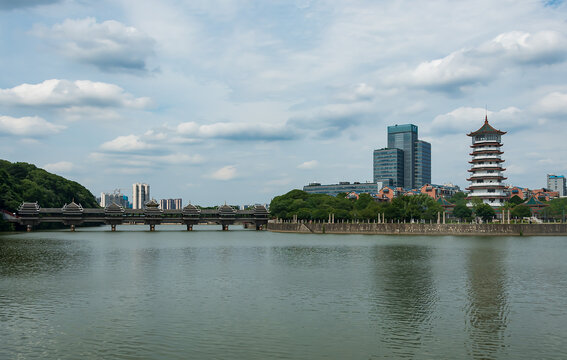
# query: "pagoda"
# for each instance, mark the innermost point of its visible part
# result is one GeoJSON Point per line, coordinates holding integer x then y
{"type": "Point", "coordinates": [486, 178]}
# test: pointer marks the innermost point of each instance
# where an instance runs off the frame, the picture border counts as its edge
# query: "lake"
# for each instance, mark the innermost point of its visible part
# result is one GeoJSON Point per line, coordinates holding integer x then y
{"type": "Point", "coordinates": [244, 294]}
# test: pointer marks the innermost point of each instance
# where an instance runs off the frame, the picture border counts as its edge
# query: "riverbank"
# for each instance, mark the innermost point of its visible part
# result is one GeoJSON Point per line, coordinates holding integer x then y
{"type": "Point", "coordinates": [423, 229]}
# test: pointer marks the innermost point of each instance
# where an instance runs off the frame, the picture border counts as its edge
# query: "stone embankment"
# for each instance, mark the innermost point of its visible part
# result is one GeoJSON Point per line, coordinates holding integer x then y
{"type": "Point", "coordinates": [555, 229]}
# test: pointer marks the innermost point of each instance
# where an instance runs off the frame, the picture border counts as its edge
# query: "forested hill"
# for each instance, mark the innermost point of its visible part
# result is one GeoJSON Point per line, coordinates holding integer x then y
{"type": "Point", "coordinates": [21, 182]}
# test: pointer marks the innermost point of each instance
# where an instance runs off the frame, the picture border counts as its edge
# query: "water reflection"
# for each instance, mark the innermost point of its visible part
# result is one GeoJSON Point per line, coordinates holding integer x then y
{"type": "Point", "coordinates": [404, 297]}
{"type": "Point", "coordinates": [487, 309]}
{"type": "Point", "coordinates": [25, 256]}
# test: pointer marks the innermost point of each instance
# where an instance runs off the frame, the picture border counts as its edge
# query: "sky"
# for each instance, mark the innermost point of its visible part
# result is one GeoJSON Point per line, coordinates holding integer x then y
{"type": "Point", "coordinates": [239, 101]}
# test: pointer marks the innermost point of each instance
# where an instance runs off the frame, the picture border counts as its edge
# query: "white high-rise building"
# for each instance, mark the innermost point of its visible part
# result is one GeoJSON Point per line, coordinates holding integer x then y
{"type": "Point", "coordinates": [140, 195]}
{"type": "Point", "coordinates": [486, 166]}
{"type": "Point", "coordinates": [557, 183]}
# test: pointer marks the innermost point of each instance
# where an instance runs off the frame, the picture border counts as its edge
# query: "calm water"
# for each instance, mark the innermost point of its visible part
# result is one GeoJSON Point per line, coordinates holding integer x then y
{"type": "Point", "coordinates": [209, 294]}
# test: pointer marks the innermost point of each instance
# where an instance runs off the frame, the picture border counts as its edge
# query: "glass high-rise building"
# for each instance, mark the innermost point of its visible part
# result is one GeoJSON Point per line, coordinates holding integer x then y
{"type": "Point", "coordinates": [388, 165]}
{"type": "Point", "coordinates": [406, 161]}
{"type": "Point", "coordinates": [422, 163]}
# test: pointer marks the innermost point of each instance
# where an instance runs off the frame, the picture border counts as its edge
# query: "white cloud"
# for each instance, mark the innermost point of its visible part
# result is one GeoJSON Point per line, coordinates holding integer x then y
{"type": "Point", "coordinates": [59, 167]}
{"type": "Point", "coordinates": [128, 143]}
{"type": "Point", "coordinates": [225, 173]}
{"type": "Point", "coordinates": [235, 131]}
{"type": "Point", "coordinates": [466, 119]}
{"type": "Point", "coordinates": [109, 45]}
{"type": "Point", "coordinates": [554, 103]}
{"type": "Point", "coordinates": [180, 158]}
{"type": "Point", "coordinates": [308, 165]}
{"type": "Point", "coordinates": [466, 67]}
{"type": "Point", "coordinates": [65, 93]}
{"type": "Point", "coordinates": [32, 126]}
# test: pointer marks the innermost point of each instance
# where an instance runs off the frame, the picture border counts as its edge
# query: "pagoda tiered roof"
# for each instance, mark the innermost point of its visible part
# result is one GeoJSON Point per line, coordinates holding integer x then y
{"type": "Point", "coordinates": [486, 128]}
{"type": "Point", "coordinates": [487, 177]}
{"type": "Point", "coordinates": [473, 161]}
{"type": "Point", "coordinates": [488, 167]}
{"type": "Point", "coordinates": [487, 152]}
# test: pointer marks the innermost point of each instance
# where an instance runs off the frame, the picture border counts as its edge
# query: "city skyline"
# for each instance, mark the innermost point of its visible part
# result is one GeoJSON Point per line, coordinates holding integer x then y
{"type": "Point", "coordinates": [238, 102]}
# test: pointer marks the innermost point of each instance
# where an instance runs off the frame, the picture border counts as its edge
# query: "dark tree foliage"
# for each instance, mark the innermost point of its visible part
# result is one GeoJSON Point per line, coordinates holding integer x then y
{"type": "Point", "coordinates": [515, 200]}
{"type": "Point", "coordinates": [458, 198]}
{"type": "Point", "coordinates": [20, 182]}
{"type": "Point", "coordinates": [318, 207]}
{"type": "Point", "coordinates": [521, 211]}
{"type": "Point", "coordinates": [462, 212]}
{"type": "Point", "coordinates": [485, 212]}
{"type": "Point", "coordinates": [557, 208]}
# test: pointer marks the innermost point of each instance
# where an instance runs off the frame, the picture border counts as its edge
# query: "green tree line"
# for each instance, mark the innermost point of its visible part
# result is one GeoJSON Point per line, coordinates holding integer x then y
{"type": "Point", "coordinates": [404, 208]}
{"type": "Point", "coordinates": [319, 206]}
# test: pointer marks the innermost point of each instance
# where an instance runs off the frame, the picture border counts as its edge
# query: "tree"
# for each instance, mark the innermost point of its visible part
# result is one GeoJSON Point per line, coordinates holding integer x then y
{"type": "Point", "coordinates": [485, 212]}
{"type": "Point", "coordinates": [462, 212]}
{"type": "Point", "coordinates": [458, 198]}
{"type": "Point", "coordinates": [515, 200]}
{"type": "Point", "coordinates": [521, 211]}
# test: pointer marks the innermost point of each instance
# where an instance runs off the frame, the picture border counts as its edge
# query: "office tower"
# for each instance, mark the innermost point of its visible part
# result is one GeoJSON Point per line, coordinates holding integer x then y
{"type": "Point", "coordinates": [406, 162]}
{"type": "Point", "coordinates": [389, 167]}
{"type": "Point", "coordinates": [422, 161]}
{"type": "Point", "coordinates": [404, 137]}
{"type": "Point", "coordinates": [486, 168]}
{"type": "Point", "coordinates": [557, 183]}
{"type": "Point", "coordinates": [140, 195]}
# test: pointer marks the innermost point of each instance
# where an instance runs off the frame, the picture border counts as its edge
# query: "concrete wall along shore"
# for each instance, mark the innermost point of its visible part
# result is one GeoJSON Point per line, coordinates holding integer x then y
{"type": "Point", "coordinates": [422, 229]}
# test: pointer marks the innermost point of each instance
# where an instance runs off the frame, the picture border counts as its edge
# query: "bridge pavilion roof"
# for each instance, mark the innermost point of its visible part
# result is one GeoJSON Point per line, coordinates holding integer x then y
{"type": "Point", "coordinates": [486, 129]}
{"type": "Point", "coordinates": [114, 208]}
{"type": "Point", "coordinates": [226, 210]}
{"type": "Point", "coordinates": [72, 208]}
{"type": "Point", "coordinates": [152, 206]}
{"type": "Point", "coordinates": [191, 210]}
{"type": "Point", "coordinates": [29, 208]}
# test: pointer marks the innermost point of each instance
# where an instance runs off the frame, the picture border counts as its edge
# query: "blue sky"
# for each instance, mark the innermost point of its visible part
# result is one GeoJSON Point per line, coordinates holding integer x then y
{"type": "Point", "coordinates": [240, 101]}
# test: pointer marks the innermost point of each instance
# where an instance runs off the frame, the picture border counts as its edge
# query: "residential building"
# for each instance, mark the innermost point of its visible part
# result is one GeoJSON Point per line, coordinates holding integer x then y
{"type": "Point", "coordinates": [116, 197]}
{"type": "Point", "coordinates": [171, 204]}
{"type": "Point", "coordinates": [521, 192]}
{"type": "Point", "coordinates": [344, 187]}
{"type": "Point", "coordinates": [140, 195]}
{"type": "Point", "coordinates": [406, 162]}
{"type": "Point", "coordinates": [545, 194]}
{"type": "Point", "coordinates": [557, 183]}
{"type": "Point", "coordinates": [486, 166]}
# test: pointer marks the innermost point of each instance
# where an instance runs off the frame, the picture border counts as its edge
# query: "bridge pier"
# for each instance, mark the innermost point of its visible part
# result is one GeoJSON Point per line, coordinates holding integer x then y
{"type": "Point", "coordinates": [189, 227]}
